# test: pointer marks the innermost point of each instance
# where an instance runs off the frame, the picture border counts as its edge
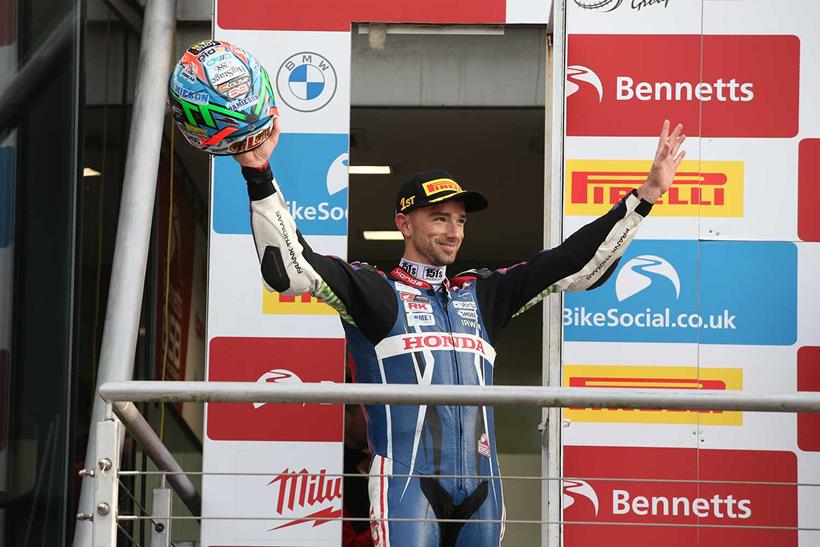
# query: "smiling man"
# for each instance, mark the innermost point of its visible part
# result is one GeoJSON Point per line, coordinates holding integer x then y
{"type": "Point", "coordinates": [414, 325]}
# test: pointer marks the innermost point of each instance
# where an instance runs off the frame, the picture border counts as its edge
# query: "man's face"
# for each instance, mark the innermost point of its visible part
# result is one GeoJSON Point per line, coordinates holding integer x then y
{"type": "Point", "coordinates": [433, 234]}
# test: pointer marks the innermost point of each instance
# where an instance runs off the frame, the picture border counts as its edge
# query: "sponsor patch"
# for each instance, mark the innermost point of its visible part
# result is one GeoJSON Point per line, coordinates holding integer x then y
{"type": "Point", "coordinates": [401, 287]}
{"type": "Point", "coordinates": [418, 307]}
{"type": "Point", "coordinates": [420, 319]}
{"type": "Point", "coordinates": [402, 344]}
{"type": "Point", "coordinates": [440, 185]}
{"type": "Point", "coordinates": [461, 305]}
{"type": "Point", "coordinates": [468, 314]}
{"type": "Point", "coordinates": [484, 445]}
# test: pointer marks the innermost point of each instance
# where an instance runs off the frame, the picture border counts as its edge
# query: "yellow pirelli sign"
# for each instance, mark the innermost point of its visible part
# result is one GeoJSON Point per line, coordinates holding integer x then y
{"type": "Point", "coordinates": [653, 377]}
{"type": "Point", "coordinates": [303, 304]}
{"type": "Point", "coordinates": [700, 188]}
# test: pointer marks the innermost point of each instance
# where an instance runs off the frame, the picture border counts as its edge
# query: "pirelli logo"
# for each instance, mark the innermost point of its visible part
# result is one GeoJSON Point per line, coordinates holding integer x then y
{"type": "Point", "coordinates": [653, 377]}
{"type": "Point", "coordinates": [274, 303]}
{"type": "Point", "coordinates": [700, 188]}
{"type": "Point", "coordinates": [440, 185]}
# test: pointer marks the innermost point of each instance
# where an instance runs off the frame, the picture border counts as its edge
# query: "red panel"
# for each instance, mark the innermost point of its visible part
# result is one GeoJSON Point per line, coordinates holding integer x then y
{"type": "Point", "coordinates": [8, 21]}
{"type": "Point", "coordinates": [335, 15]}
{"type": "Point", "coordinates": [749, 86]}
{"type": "Point", "coordinates": [682, 503]}
{"type": "Point", "coordinates": [808, 192]}
{"type": "Point", "coordinates": [808, 379]}
{"type": "Point", "coordinates": [282, 361]}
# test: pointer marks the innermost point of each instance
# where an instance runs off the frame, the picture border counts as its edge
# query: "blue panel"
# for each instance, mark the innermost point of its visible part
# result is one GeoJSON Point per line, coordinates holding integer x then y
{"type": "Point", "coordinates": [742, 293]}
{"type": "Point", "coordinates": [6, 195]}
{"type": "Point", "coordinates": [311, 169]}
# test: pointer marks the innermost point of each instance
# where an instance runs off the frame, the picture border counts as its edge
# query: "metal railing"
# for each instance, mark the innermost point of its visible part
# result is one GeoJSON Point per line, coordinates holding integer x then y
{"type": "Point", "coordinates": [119, 396]}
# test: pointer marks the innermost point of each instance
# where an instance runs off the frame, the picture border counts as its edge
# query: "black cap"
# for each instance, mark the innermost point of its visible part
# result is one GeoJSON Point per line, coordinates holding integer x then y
{"type": "Point", "coordinates": [431, 187]}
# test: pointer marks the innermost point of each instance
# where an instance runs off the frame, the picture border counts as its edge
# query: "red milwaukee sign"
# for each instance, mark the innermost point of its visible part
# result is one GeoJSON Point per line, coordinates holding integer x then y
{"type": "Point", "coordinates": [808, 379]}
{"type": "Point", "coordinates": [297, 491]}
{"type": "Point", "coordinates": [808, 190]}
{"type": "Point", "coordinates": [717, 86]}
{"type": "Point", "coordinates": [279, 361]}
{"type": "Point", "coordinates": [679, 487]}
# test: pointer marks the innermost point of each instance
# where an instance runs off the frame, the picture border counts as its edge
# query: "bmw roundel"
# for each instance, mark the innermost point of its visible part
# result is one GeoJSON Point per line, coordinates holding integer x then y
{"type": "Point", "coordinates": [306, 81]}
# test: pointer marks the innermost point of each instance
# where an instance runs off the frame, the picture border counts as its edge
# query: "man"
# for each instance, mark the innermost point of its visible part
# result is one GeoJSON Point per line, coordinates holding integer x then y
{"type": "Point", "coordinates": [413, 325]}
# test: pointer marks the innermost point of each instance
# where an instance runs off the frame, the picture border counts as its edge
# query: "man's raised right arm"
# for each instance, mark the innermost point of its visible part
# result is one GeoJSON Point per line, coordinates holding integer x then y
{"type": "Point", "coordinates": [290, 266]}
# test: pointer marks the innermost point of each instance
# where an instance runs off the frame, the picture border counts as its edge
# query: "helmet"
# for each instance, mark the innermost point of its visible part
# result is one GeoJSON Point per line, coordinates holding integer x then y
{"type": "Point", "coordinates": [221, 98]}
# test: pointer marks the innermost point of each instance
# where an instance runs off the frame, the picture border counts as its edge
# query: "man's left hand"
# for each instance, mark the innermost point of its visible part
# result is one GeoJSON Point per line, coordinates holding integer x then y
{"type": "Point", "coordinates": [667, 159]}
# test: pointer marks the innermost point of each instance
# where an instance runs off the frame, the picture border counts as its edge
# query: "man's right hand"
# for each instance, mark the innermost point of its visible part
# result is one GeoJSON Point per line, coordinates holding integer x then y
{"type": "Point", "coordinates": [259, 156]}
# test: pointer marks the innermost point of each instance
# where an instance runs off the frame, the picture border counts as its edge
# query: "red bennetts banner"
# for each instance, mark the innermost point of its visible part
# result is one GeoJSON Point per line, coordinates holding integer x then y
{"type": "Point", "coordinates": [808, 190]}
{"type": "Point", "coordinates": [808, 379]}
{"type": "Point", "coordinates": [717, 86]}
{"type": "Point", "coordinates": [743, 508]}
{"type": "Point", "coordinates": [275, 361]}
{"type": "Point", "coordinates": [330, 15]}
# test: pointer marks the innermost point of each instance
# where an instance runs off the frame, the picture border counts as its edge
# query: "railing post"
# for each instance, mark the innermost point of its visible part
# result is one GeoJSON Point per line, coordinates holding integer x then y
{"type": "Point", "coordinates": [106, 484]}
{"type": "Point", "coordinates": [122, 316]}
{"type": "Point", "coordinates": [161, 513]}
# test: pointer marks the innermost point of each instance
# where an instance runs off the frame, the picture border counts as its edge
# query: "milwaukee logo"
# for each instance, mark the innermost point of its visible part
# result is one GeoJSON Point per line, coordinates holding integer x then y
{"type": "Point", "coordinates": [653, 377]}
{"type": "Point", "coordinates": [295, 490]}
{"type": "Point", "coordinates": [705, 188]}
{"type": "Point", "coordinates": [403, 344]}
{"type": "Point", "coordinates": [274, 303]}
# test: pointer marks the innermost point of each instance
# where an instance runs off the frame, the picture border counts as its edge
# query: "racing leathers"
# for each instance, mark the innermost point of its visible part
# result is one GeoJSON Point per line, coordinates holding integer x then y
{"type": "Point", "coordinates": [431, 465]}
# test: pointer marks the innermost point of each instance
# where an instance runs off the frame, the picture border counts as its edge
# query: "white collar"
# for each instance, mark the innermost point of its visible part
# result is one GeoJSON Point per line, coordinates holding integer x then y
{"type": "Point", "coordinates": [434, 275]}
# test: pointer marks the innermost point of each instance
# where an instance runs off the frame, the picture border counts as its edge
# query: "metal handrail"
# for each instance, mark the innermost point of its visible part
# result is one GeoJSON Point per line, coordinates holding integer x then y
{"type": "Point", "coordinates": [412, 394]}
{"type": "Point", "coordinates": [121, 395]}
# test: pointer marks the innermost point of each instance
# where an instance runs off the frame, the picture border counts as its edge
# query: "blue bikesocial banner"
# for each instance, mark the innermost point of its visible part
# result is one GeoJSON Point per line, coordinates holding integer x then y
{"type": "Point", "coordinates": [6, 194]}
{"type": "Point", "coordinates": [708, 292]}
{"type": "Point", "coordinates": [311, 169]}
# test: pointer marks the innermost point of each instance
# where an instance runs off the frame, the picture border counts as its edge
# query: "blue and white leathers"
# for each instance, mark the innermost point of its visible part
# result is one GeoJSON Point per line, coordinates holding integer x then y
{"type": "Point", "coordinates": [432, 462]}
{"type": "Point", "coordinates": [435, 465]}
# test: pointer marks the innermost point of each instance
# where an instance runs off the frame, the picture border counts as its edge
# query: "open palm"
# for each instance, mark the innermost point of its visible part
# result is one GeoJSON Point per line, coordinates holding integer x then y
{"type": "Point", "coordinates": [668, 158]}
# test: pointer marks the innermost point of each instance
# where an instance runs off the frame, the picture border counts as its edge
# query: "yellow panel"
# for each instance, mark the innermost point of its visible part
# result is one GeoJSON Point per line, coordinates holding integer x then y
{"type": "Point", "coordinates": [701, 188]}
{"type": "Point", "coordinates": [275, 303]}
{"type": "Point", "coordinates": [653, 377]}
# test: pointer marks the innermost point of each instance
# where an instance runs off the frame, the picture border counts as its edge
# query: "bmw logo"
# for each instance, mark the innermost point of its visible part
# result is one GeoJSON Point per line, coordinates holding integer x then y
{"type": "Point", "coordinates": [306, 81]}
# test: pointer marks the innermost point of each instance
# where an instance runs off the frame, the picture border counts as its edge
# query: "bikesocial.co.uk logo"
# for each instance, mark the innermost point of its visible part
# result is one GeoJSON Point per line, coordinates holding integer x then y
{"type": "Point", "coordinates": [686, 291]}
{"type": "Point", "coordinates": [311, 169]}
